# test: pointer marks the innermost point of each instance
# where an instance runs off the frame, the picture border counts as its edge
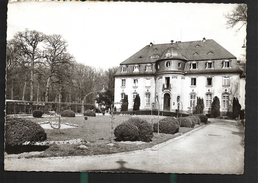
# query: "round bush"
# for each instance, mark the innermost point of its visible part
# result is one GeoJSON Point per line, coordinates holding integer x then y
{"type": "Point", "coordinates": [89, 113]}
{"type": "Point", "coordinates": [203, 118]}
{"type": "Point", "coordinates": [37, 113]}
{"type": "Point", "coordinates": [126, 132]}
{"type": "Point", "coordinates": [195, 119]}
{"type": "Point", "coordinates": [145, 129]}
{"type": "Point", "coordinates": [68, 113]}
{"type": "Point", "coordinates": [18, 131]}
{"type": "Point", "coordinates": [167, 125]}
{"type": "Point", "coordinates": [186, 122]}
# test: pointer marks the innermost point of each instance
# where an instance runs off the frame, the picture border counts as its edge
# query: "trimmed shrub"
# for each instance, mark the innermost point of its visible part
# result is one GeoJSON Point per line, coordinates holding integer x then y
{"type": "Point", "coordinates": [145, 129]}
{"type": "Point", "coordinates": [124, 106]}
{"type": "Point", "coordinates": [37, 114]}
{"type": "Point", "coordinates": [236, 108]}
{"type": "Point", "coordinates": [89, 113]}
{"type": "Point", "coordinates": [215, 107]}
{"type": "Point", "coordinates": [68, 113]}
{"type": "Point", "coordinates": [18, 131]}
{"type": "Point", "coordinates": [195, 119]}
{"type": "Point", "coordinates": [167, 125]}
{"type": "Point", "coordinates": [126, 132]}
{"type": "Point", "coordinates": [137, 103]}
{"type": "Point", "coordinates": [186, 122]}
{"type": "Point", "coordinates": [203, 118]}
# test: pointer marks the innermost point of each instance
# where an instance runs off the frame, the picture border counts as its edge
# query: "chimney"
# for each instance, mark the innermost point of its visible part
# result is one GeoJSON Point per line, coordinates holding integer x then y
{"type": "Point", "coordinates": [151, 44]}
{"type": "Point", "coordinates": [203, 39]}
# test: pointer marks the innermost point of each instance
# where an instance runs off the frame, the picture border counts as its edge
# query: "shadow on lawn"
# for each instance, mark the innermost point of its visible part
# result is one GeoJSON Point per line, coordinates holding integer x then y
{"type": "Point", "coordinates": [122, 168]}
{"type": "Point", "coordinates": [24, 148]}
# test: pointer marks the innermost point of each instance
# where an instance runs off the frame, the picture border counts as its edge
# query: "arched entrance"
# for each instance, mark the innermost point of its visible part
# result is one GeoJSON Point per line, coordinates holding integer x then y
{"type": "Point", "coordinates": [166, 103]}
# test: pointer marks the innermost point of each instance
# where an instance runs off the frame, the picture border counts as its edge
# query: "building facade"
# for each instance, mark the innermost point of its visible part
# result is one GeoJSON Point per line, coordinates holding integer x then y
{"type": "Point", "coordinates": [171, 76]}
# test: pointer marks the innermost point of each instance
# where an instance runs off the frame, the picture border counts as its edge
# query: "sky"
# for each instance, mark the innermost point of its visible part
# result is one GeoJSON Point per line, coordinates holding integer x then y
{"type": "Point", "coordinates": [104, 34]}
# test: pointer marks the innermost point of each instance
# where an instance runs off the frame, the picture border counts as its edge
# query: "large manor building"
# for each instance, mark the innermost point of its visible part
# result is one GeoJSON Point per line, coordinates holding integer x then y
{"type": "Point", "coordinates": [171, 76]}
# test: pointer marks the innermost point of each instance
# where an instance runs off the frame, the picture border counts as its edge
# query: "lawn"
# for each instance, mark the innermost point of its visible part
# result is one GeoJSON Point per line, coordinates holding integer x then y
{"type": "Point", "coordinates": [97, 136]}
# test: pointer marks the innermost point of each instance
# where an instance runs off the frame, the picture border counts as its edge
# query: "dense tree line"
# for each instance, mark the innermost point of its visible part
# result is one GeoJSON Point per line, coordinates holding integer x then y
{"type": "Point", "coordinates": [39, 68]}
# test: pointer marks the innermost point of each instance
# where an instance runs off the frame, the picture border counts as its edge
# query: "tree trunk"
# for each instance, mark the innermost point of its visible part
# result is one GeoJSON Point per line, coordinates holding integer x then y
{"type": "Point", "coordinates": [31, 79]}
{"type": "Point", "coordinates": [38, 93]}
{"type": "Point", "coordinates": [47, 89]}
{"type": "Point", "coordinates": [24, 89]}
{"type": "Point", "coordinates": [12, 89]}
{"type": "Point", "coordinates": [59, 98]}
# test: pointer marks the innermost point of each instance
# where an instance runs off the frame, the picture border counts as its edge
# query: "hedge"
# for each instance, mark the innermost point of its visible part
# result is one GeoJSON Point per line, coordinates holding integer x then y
{"type": "Point", "coordinates": [195, 119]}
{"type": "Point", "coordinates": [126, 132]}
{"type": "Point", "coordinates": [145, 129]}
{"type": "Point", "coordinates": [37, 113]}
{"type": "Point", "coordinates": [89, 113]}
{"type": "Point", "coordinates": [18, 131]}
{"type": "Point", "coordinates": [186, 122]}
{"type": "Point", "coordinates": [68, 113]}
{"type": "Point", "coordinates": [202, 117]}
{"type": "Point", "coordinates": [167, 125]}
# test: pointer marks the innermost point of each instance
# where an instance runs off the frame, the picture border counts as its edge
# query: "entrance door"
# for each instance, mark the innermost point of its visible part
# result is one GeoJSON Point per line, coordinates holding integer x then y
{"type": "Point", "coordinates": [166, 102]}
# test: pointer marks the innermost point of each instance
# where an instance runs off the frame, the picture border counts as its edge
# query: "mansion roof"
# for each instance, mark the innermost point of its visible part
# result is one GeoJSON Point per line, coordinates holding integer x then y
{"type": "Point", "coordinates": [193, 50]}
{"type": "Point", "coordinates": [202, 50]}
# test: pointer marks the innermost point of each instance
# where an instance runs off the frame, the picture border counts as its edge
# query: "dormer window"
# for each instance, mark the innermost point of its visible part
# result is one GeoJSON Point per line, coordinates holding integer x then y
{"type": "Point", "coordinates": [148, 67]}
{"type": "Point", "coordinates": [154, 56]}
{"type": "Point", "coordinates": [168, 55]}
{"type": "Point", "coordinates": [196, 53]}
{"type": "Point", "coordinates": [209, 65]}
{"type": "Point", "coordinates": [226, 64]}
{"type": "Point", "coordinates": [136, 68]}
{"type": "Point", "coordinates": [193, 65]}
{"type": "Point", "coordinates": [124, 68]}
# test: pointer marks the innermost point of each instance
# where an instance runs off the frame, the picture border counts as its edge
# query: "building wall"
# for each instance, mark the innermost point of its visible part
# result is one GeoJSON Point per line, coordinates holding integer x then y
{"type": "Point", "coordinates": [142, 88]}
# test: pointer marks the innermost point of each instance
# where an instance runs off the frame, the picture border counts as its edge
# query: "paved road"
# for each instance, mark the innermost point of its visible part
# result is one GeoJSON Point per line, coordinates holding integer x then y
{"type": "Point", "coordinates": [214, 148]}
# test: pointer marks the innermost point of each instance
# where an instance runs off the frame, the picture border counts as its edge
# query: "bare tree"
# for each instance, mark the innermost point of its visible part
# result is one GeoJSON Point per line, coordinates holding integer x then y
{"type": "Point", "coordinates": [58, 60]}
{"type": "Point", "coordinates": [238, 15]}
{"type": "Point", "coordinates": [27, 43]}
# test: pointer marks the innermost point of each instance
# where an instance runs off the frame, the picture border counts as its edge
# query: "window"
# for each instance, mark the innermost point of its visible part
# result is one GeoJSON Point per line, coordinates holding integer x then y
{"type": "Point", "coordinates": [135, 82]}
{"type": "Point", "coordinates": [208, 100]}
{"type": "Point", "coordinates": [148, 82]}
{"type": "Point", "coordinates": [122, 96]}
{"type": "Point", "coordinates": [147, 99]}
{"type": "Point", "coordinates": [124, 68]}
{"type": "Point", "coordinates": [134, 95]}
{"type": "Point", "coordinates": [148, 67]}
{"type": "Point", "coordinates": [167, 82]}
{"type": "Point", "coordinates": [225, 99]}
{"type": "Point", "coordinates": [209, 65]}
{"type": "Point", "coordinates": [193, 65]}
{"type": "Point", "coordinates": [167, 63]}
{"type": "Point", "coordinates": [192, 100]}
{"type": "Point", "coordinates": [179, 65]}
{"type": "Point", "coordinates": [226, 81]}
{"type": "Point", "coordinates": [136, 68]}
{"type": "Point", "coordinates": [123, 82]}
{"type": "Point", "coordinates": [193, 81]}
{"type": "Point", "coordinates": [209, 81]}
{"type": "Point", "coordinates": [226, 64]}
